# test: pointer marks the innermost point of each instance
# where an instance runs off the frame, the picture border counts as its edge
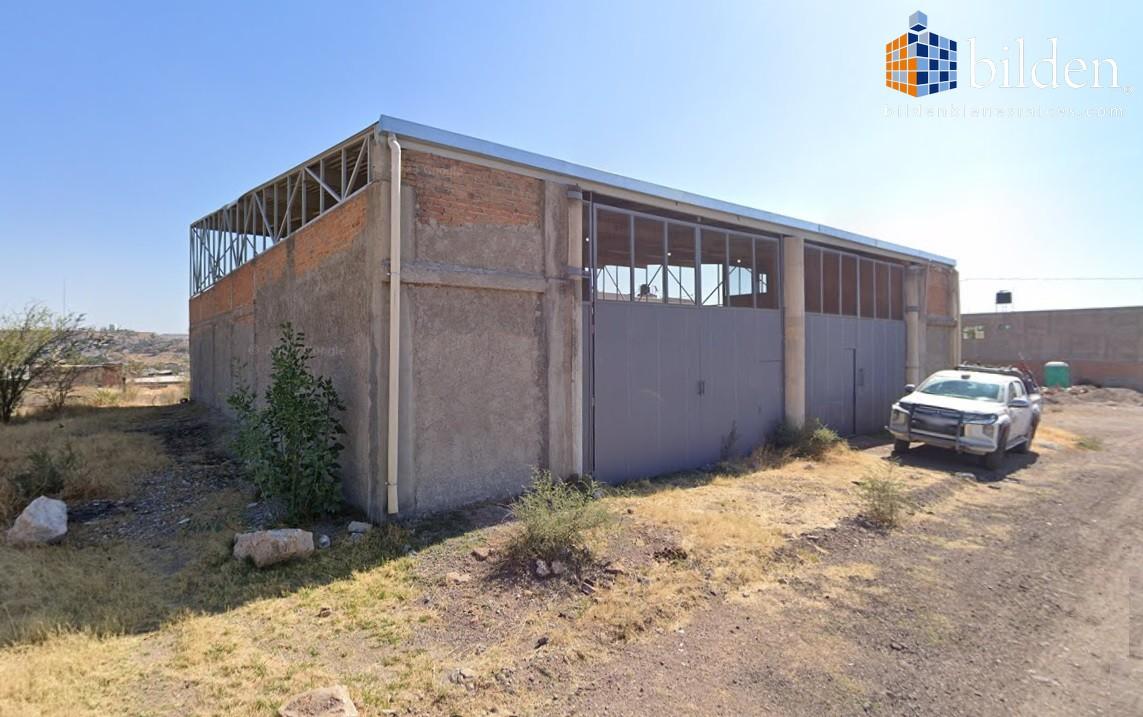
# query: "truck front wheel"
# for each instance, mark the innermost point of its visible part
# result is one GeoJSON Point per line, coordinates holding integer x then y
{"type": "Point", "coordinates": [995, 459]}
{"type": "Point", "coordinates": [900, 446]}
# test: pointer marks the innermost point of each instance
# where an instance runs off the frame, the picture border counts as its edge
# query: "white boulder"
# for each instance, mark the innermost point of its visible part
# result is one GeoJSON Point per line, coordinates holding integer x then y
{"type": "Point", "coordinates": [323, 702]}
{"type": "Point", "coordinates": [43, 521]}
{"type": "Point", "coordinates": [267, 547]}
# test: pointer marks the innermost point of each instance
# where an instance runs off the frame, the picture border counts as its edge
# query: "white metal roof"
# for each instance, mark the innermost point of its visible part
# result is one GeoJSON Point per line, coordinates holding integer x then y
{"type": "Point", "coordinates": [511, 155]}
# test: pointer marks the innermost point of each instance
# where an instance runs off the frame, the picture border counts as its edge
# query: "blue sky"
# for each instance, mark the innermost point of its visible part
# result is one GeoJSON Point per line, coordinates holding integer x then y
{"type": "Point", "coordinates": [123, 122]}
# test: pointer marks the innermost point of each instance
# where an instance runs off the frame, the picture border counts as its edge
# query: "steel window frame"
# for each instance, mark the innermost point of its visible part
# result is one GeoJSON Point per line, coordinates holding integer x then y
{"type": "Point", "coordinates": [696, 228]}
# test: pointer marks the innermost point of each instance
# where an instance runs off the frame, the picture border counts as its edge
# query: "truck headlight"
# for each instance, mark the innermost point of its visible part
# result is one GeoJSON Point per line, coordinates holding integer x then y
{"type": "Point", "coordinates": [899, 417]}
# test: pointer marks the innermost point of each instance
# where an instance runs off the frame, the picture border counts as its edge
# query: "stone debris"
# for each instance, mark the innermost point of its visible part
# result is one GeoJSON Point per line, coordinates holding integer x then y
{"type": "Point", "coordinates": [323, 541]}
{"type": "Point", "coordinates": [541, 569]}
{"type": "Point", "coordinates": [43, 521]}
{"type": "Point", "coordinates": [558, 567]}
{"type": "Point", "coordinates": [481, 553]}
{"type": "Point", "coordinates": [615, 568]}
{"type": "Point", "coordinates": [323, 702]}
{"type": "Point", "coordinates": [268, 547]}
{"type": "Point", "coordinates": [358, 526]}
{"type": "Point", "coordinates": [457, 578]}
{"type": "Point", "coordinates": [461, 676]}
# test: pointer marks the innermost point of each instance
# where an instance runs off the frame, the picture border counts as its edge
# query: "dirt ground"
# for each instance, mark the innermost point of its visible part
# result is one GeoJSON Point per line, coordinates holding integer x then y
{"type": "Point", "coordinates": [1019, 593]}
{"type": "Point", "coordinates": [1010, 592]}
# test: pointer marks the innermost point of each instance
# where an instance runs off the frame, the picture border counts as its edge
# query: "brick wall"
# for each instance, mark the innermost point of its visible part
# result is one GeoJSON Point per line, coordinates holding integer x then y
{"type": "Point", "coordinates": [937, 293]}
{"type": "Point", "coordinates": [458, 193]}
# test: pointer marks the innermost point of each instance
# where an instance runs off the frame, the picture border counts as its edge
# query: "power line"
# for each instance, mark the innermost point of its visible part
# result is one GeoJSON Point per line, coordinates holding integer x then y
{"type": "Point", "coordinates": [1052, 278]}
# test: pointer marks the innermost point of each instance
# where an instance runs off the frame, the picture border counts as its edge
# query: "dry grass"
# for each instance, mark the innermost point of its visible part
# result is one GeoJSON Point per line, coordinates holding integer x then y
{"type": "Point", "coordinates": [730, 527]}
{"type": "Point", "coordinates": [132, 396]}
{"type": "Point", "coordinates": [107, 631]}
{"type": "Point", "coordinates": [1057, 436]}
{"type": "Point", "coordinates": [111, 630]}
{"type": "Point", "coordinates": [106, 459]}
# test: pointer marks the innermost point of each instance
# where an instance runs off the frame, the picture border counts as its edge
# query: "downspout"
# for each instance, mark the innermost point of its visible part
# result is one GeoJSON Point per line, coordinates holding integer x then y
{"type": "Point", "coordinates": [394, 320]}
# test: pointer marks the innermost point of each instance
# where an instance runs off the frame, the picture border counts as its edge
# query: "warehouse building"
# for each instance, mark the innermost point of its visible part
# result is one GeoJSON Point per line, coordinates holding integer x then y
{"type": "Point", "coordinates": [483, 310]}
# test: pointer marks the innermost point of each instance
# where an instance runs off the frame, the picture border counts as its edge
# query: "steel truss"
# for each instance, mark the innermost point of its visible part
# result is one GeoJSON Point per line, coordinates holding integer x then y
{"type": "Point", "coordinates": [226, 239]}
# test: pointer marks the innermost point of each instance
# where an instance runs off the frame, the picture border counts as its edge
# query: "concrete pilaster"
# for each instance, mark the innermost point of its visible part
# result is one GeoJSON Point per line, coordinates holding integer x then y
{"type": "Point", "coordinates": [954, 309]}
{"type": "Point", "coordinates": [575, 266]}
{"type": "Point", "coordinates": [794, 327]}
{"type": "Point", "coordinates": [913, 323]}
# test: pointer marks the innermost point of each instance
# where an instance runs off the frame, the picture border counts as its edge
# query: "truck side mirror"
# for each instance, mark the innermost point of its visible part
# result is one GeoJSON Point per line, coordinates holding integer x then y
{"type": "Point", "coordinates": [1019, 403]}
{"type": "Point", "coordinates": [909, 388]}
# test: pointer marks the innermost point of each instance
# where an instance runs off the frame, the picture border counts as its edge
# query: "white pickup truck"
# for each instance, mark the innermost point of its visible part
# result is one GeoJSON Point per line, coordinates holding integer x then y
{"type": "Point", "coordinates": [971, 409]}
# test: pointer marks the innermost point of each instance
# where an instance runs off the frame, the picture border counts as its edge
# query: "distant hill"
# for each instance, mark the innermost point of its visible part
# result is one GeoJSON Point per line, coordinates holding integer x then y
{"type": "Point", "coordinates": [143, 351]}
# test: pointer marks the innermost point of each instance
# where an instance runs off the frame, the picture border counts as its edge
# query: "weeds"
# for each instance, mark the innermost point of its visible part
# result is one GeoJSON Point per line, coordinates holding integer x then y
{"type": "Point", "coordinates": [555, 517]}
{"type": "Point", "coordinates": [883, 501]}
{"type": "Point", "coordinates": [105, 398]}
{"type": "Point", "coordinates": [48, 471]}
{"type": "Point", "coordinates": [813, 440]}
{"type": "Point", "coordinates": [1090, 443]}
{"type": "Point", "coordinates": [72, 458]}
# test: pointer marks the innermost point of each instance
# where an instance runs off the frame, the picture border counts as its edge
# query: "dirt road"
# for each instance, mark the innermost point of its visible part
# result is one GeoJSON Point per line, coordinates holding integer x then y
{"type": "Point", "coordinates": [1014, 593]}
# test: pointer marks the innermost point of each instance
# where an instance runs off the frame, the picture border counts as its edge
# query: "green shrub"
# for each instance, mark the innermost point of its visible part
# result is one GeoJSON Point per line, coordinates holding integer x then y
{"type": "Point", "coordinates": [811, 441]}
{"type": "Point", "coordinates": [44, 472]}
{"type": "Point", "coordinates": [555, 517]}
{"type": "Point", "coordinates": [884, 503]}
{"type": "Point", "coordinates": [105, 398]}
{"type": "Point", "coordinates": [48, 471]}
{"type": "Point", "coordinates": [290, 447]}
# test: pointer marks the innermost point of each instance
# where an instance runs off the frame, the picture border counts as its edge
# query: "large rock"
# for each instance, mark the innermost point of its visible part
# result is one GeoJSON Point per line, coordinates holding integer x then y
{"type": "Point", "coordinates": [43, 521]}
{"type": "Point", "coordinates": [323, 702]}
{"type": "Point", "coordinates": [267, 547]}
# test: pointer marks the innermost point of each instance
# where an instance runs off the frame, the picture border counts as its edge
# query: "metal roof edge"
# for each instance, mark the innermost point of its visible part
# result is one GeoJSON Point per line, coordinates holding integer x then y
{"type": "Point", "coordinates": [473, 145]}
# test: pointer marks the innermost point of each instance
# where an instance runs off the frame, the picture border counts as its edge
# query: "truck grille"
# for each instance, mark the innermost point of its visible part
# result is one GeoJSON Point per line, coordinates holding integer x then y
{"type": "Point", "coordinates": [939, 421]}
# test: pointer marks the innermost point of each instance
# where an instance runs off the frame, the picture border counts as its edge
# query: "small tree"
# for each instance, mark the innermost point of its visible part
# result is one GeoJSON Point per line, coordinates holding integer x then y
{"type": "Point", "coordinates": [33, 343]}
{"type": "Point", "coordinates": [290, 447]}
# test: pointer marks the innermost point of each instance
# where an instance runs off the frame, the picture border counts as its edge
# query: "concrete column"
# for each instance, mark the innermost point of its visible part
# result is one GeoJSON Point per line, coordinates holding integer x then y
{"type": "Point", "coordinates": [376, 254]}
{"type": "Point", "coordinates": [575, 266]}
{"type": "Point", "coordinates": [794, 327]}
{"type": "Point", "coordinates": [913, 282]}
{"type": "Point", "coordinates": [560, 307]}
{"type": "Point", "coordinates": [954, 309]}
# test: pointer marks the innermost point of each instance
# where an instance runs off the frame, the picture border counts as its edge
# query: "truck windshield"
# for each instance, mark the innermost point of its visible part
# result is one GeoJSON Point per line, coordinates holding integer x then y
{"type": "Point", "coordinates": [962, 388]}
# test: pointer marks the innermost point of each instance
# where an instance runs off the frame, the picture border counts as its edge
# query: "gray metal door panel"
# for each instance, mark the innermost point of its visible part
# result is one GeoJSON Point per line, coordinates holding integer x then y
{"type": "Point", "coordinates": [853, 397]}
{"type": "Point", "coordinates": [671, 382]}
{"type": "Point", "coordinates": [588, 391]}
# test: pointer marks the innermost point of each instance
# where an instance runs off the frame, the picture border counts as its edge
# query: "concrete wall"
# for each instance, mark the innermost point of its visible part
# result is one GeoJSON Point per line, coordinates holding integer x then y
{"type": "Point", "coordinates": [319, 280]}
{"type": "Point", "coordinates": [492, 314]}
{"type": "Point", "coordinates": [1102, 346]}
{"type": "Point", "coordinates": [489, 356]}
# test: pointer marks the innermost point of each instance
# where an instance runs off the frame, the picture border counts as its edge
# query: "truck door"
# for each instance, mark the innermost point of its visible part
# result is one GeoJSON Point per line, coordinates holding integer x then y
{"type": "Point", "coordinates": [1021, 417]}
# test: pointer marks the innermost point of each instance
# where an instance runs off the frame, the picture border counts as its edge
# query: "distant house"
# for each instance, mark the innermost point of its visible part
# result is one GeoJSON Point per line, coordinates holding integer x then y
{"type": "Point", "coordinates": [1102, 346]}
